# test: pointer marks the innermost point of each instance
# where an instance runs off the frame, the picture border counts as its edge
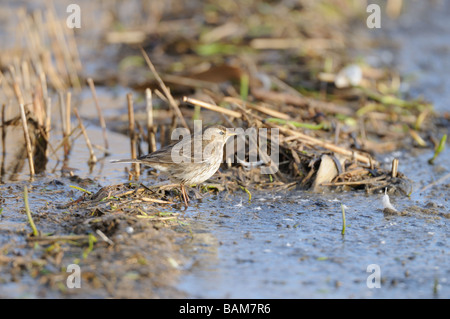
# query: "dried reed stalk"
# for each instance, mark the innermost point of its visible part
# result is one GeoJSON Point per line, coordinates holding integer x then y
{"type": "Point", "coordinates": [26, 76]}
{"type": "Point", "coordinates": [151, 138]}
{"type": "Point", "coordinates": [57, 49]}
{"type": "Point", "coordinates": [2, 169]}
{"type": "Point", "coordinates": [212, 107]}
{"type": "Point", "coordinates": [166, 91]}
{"type": "Point", "coordinates": [18, 93]}
{"type": "Point", "coordinates": [136, 166]}
{"type": "Point", "coordinates": [65, 132]}
{"type": "Point", "coordinates": [27, 139]}
{"type": "Point", "coordinates": [259, 108]}
{"type": "Point", "coordinates": [100, 115]}
{"type": "Point", "coordinates": [48, 120]}
{"type": "Point", "coordinates": [281, 97]}
{"type": "Point", "coordinates": [329, 146]}
{"type": "Point", "coordinates": [68, 112]}
{"type": "Point", "coordinates": [66, 55]}
{"type": "Point", "coordinates": [92, 158]}
{"type": "Point", "coordinates": [394, 171]}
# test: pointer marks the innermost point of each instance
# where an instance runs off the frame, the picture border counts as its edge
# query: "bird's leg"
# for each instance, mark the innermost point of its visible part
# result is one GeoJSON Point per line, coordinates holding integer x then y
{"type": "Point", "coordinates": [185, 196]}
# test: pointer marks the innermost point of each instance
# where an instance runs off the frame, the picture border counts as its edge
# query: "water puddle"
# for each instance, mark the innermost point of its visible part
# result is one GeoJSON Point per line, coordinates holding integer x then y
{"type": "Point", "coordinates": [290, 245]}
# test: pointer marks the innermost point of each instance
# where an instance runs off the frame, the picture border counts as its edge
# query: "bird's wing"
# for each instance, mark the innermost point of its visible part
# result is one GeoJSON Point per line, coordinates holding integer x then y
{"type": "Point", "coordinates": [179, 152]}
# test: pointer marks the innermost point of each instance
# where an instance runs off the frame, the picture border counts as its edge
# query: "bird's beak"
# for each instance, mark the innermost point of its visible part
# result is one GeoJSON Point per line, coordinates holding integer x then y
{"type": "Point", "coordinates": [231, 134]}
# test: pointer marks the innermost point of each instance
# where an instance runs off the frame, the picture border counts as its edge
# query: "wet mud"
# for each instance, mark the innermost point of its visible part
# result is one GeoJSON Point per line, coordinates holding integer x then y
{"type": "Point", "coordinates": [234, 242]}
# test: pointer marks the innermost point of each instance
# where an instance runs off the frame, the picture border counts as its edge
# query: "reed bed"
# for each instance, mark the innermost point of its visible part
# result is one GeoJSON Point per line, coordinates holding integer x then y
{"type": "Point", "coordinates": [331, 127]}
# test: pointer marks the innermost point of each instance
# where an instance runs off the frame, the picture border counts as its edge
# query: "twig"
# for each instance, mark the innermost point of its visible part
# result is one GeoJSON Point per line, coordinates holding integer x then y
{"type": "Point", "coordinates": [26, 76]}
{"type": "Point", "coordinates": [301, 101]}
{"type": "Point", "coordinates": [132, 133]}
{"type": "Point", "coordinates": [68, 112]}
{"type": "Point", "coordinates": [164, 88]}
{"type": "Point", "coordinates": [190, 82]}
{"type": "Point", "coordinates": [2, 170]}
{"type": "Point", "coordinates": [394, 171]}
{"type": "Point", "coordinates": [258, 108]}
{"type": "Point", "coordinates": [17, 91]}
{"type": "Point", "coordinates": [151, 139]}
{"type": "Point", "coordinates": [308, 126]}
{"type": "Point", "coordinates": [27, 139]}
{"type": "Point", "coordinates": [316, 142]}
{"type": "Point", "coordinates": [55, 149]}
{"type": "Point", "coordinates": [65, 132]}
{"type": "Point", "coordinates": [104, 237]}
{"type": "Point", "coordinates": [212, 107]}
{"type": "Point", "coordinates": [48, 121]}
{"type": "Point", "coordinates": [362, 182]}
{"type": "Point", "coordinates": [100, 115]}
{"type": "Point", "coordinates": [154, 200]}
{"type": "Point", "coordinates": [153, 217]}
{"type": "Point", "coordinates": [92, 158]}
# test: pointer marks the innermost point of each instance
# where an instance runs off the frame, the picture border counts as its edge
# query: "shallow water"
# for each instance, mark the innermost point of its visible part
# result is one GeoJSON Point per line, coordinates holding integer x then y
{"type": "Point", "coordinates": [289, 245]}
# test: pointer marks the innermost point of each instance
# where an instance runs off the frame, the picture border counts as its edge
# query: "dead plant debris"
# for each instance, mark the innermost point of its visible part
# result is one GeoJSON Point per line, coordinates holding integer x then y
{"type": "Point", "coordinates": [280, 65]}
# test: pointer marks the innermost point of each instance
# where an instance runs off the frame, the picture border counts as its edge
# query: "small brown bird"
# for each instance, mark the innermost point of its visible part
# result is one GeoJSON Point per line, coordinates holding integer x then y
{"type": "Point", "coordinates": [190, 161]}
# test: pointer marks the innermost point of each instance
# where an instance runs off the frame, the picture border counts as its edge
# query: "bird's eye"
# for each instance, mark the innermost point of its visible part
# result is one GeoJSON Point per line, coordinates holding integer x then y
{"type": "Point", "coordinates": [222, 133]}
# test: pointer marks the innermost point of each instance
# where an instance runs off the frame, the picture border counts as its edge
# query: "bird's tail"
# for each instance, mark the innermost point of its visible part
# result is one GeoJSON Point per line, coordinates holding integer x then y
{"type": "Point", "coordinates": [126, 161]}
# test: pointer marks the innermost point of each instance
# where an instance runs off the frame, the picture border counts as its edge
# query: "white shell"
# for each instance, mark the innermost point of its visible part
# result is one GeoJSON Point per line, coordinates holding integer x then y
{"type": "Point", "coordinates": [351, 75]}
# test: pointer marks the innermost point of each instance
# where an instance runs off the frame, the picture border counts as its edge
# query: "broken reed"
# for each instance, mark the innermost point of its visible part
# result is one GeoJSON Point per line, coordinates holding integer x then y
{"type": "Point", "coordinates": [2, 172]}
{"type": "Point", "coordinates": [306, 139]}
{"type": "Point", "coordinates": [92, 157]}
{"type": "Point", "coordinates": [32, 73]}
{"type": "Point", "coordinates": [166, 91]}
{"type": "Point", "coordinates": [100, 114]}
{"type": "Point", "coordinates": [151, 138]}
{"type": "Point", "coordinates": [27, 139]}
{"type": "Point", "coordinates": [65, 112]}
{"type": "Point", "coordinates": [133, 137]}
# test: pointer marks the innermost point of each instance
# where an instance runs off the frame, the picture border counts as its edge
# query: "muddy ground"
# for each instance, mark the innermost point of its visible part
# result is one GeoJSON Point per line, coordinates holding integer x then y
{"type": "Point", "coordinates": [276, 244]}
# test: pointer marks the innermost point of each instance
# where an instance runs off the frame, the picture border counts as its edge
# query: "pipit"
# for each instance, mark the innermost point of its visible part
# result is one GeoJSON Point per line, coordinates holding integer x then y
{"type": "Point", "coordinates": [192, 160]}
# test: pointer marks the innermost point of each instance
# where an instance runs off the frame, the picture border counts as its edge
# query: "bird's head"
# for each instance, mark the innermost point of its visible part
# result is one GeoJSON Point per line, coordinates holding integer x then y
{"type": "Point", "coordinates": [217, 133]}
